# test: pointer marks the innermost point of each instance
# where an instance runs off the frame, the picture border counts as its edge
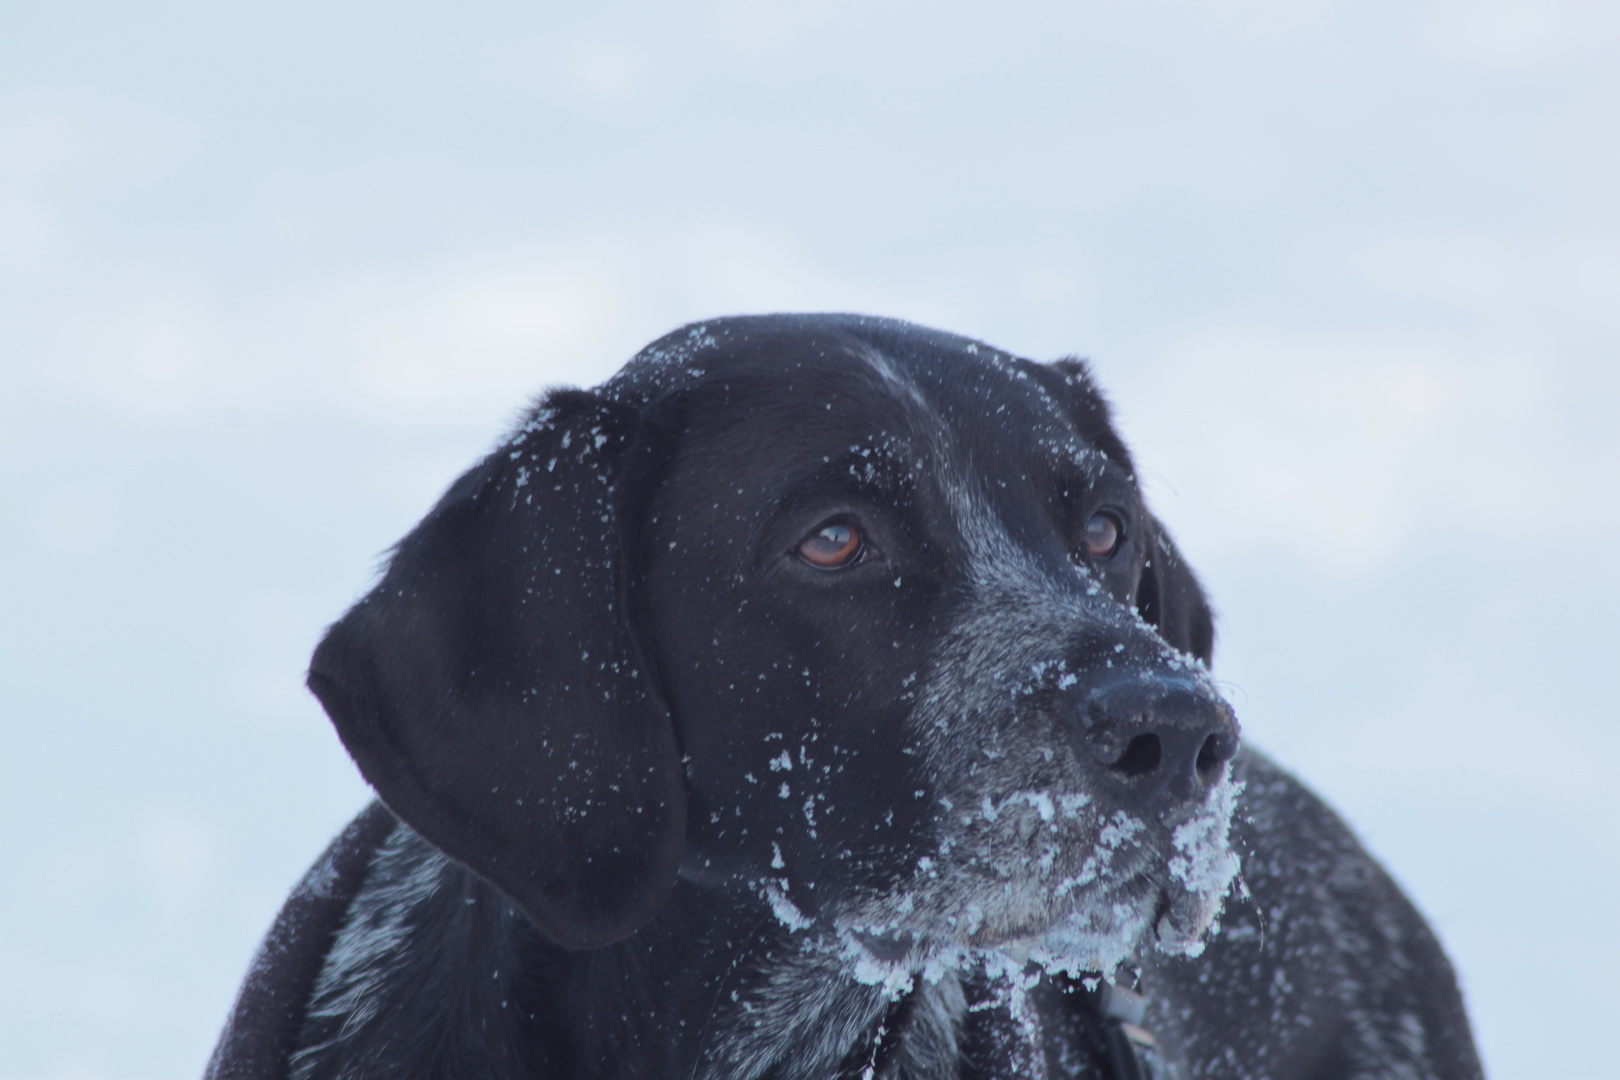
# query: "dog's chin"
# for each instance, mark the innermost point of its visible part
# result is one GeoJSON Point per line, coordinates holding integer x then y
{"type": "Point", "coordinates": [1162, 887]}
{"type": "Point", "coordinates": [1083, 934]}
{"type": "Point", "coordinates": [1096, 932]}
{"type": "Point", "coordinates": [1176, 921]}
{"type": "Point", "coordinates": [1091, 937]}
{"type": "Point", "coordinates": [1012, 938]}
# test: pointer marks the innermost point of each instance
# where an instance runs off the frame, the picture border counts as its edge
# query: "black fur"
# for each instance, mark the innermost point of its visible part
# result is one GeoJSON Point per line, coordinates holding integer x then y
{"type": "Point", "coordinates": [672, 802]}
{"type": "Point", "coordinates": [499, 698]}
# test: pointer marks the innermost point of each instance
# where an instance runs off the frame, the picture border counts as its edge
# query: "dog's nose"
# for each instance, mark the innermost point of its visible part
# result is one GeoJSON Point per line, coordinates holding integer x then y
{"type": "Point", "coordinates": [1167, 739]}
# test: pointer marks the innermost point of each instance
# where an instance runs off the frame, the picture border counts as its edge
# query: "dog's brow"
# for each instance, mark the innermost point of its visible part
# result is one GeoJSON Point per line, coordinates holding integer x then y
{"type": "Point", "coordinates": [879, 474]}
{"type": "Point", "coordinates": [1074, 456]}
{"type": "Point", "coordinates": [884, 465]}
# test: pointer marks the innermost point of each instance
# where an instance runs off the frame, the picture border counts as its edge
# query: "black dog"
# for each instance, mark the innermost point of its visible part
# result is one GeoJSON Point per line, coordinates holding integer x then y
{"type": "Point", "coordinates": [816, 698]}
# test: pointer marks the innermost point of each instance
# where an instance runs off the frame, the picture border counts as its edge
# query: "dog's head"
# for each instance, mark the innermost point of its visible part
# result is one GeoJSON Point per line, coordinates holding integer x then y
{"type": "Point", "coordinates": [865, 618]}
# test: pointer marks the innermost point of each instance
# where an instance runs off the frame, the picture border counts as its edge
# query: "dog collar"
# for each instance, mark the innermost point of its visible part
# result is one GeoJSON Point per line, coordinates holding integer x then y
{"type": "Point", "coordinates": [1126, 1043]}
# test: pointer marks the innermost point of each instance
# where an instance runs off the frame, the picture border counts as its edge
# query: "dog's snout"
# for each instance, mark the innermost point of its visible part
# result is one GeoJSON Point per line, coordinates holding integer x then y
{"type": "Point", "coordinates": [1167, 741]}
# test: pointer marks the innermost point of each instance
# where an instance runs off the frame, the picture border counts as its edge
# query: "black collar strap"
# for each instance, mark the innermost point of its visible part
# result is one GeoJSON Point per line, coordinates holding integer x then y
{"type": "Point", "coordinates": [1126, 1043]}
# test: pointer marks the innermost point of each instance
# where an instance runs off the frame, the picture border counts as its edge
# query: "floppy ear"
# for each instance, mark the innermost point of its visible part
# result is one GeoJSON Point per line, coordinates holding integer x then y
{"type": "Point", "coordinates": [1170, 598]}
{"type": "Point", "coordinates": [491, 690]}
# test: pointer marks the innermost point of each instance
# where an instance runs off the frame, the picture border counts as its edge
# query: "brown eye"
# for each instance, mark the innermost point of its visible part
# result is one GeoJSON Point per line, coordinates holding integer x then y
{"type": "Point", "coordinates": [831, 546]}
{"type": "Point", "coordinates": [1102, 535]}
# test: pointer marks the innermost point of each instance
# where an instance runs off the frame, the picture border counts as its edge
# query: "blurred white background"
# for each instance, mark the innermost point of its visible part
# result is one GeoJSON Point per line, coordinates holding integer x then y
{"type": "Point", "coordinates": [271, 274]}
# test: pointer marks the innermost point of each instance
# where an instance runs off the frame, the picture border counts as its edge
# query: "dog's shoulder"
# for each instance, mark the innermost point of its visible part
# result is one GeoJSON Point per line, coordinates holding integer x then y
{"type": "Point", "coordinates": [375, 965]}
{"type": "Point", "coordinates": [1320, 960]}
{"type": "Point", "coordinates": [426, 946]}
{"type": "Point", "coordinates": [269, 1012]}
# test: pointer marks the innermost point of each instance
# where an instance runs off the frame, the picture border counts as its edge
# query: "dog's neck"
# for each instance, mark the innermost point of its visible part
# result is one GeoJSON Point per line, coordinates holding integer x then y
{"type": "Point", "coordinates": [783, 1001]}
{"type": "Point", "coordinates": [787, 1002]}
{"type": "Point", "coordinates": [428, 943]}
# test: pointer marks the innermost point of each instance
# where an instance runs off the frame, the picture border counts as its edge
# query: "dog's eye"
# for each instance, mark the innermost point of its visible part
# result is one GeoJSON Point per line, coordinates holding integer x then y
{"type": "Point", "coordinates": [832, 546]}
{"type": "Point", "coordinates": [1103, 533]}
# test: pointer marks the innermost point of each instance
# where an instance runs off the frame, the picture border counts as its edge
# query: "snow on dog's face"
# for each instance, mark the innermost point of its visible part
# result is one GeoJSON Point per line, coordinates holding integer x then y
{"type": "Point", "coordinates": [937, 675]}
{"type": "Point", "coordinates": [851, 617]}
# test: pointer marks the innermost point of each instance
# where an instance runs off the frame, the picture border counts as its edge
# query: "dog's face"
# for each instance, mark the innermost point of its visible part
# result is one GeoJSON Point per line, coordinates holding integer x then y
{"type": "Point", "coordinates": [866, 619]}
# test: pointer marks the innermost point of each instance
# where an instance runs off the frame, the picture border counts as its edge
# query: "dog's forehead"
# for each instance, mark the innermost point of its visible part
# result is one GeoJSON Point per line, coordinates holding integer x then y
{"type": "Point", "coordinates": [907, 396]}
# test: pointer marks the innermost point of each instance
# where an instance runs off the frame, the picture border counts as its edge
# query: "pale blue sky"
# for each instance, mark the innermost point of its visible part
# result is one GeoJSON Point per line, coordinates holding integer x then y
{"type": "Point", "coordinates": [271, 274]}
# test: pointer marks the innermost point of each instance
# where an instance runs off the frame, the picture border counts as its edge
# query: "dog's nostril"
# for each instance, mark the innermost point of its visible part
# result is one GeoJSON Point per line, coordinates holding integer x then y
{"type": "Point", "coordinates": [1209, 758]}
{"type": "Point", "coordinates": [1216, 751]}
{"type": "Point", "coordinates": [1141, 756]}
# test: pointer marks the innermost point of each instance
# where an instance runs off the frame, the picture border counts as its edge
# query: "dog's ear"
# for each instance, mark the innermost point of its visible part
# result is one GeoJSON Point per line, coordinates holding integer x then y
{"type": "Point", "coordinates": [1169, 597]}
{"type": "Point", "coordinates": [491, 688]}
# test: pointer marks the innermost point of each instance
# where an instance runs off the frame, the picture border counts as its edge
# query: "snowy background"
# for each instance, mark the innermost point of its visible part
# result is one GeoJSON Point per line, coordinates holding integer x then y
{"type": "Point", "coordinates": [272, 273]}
